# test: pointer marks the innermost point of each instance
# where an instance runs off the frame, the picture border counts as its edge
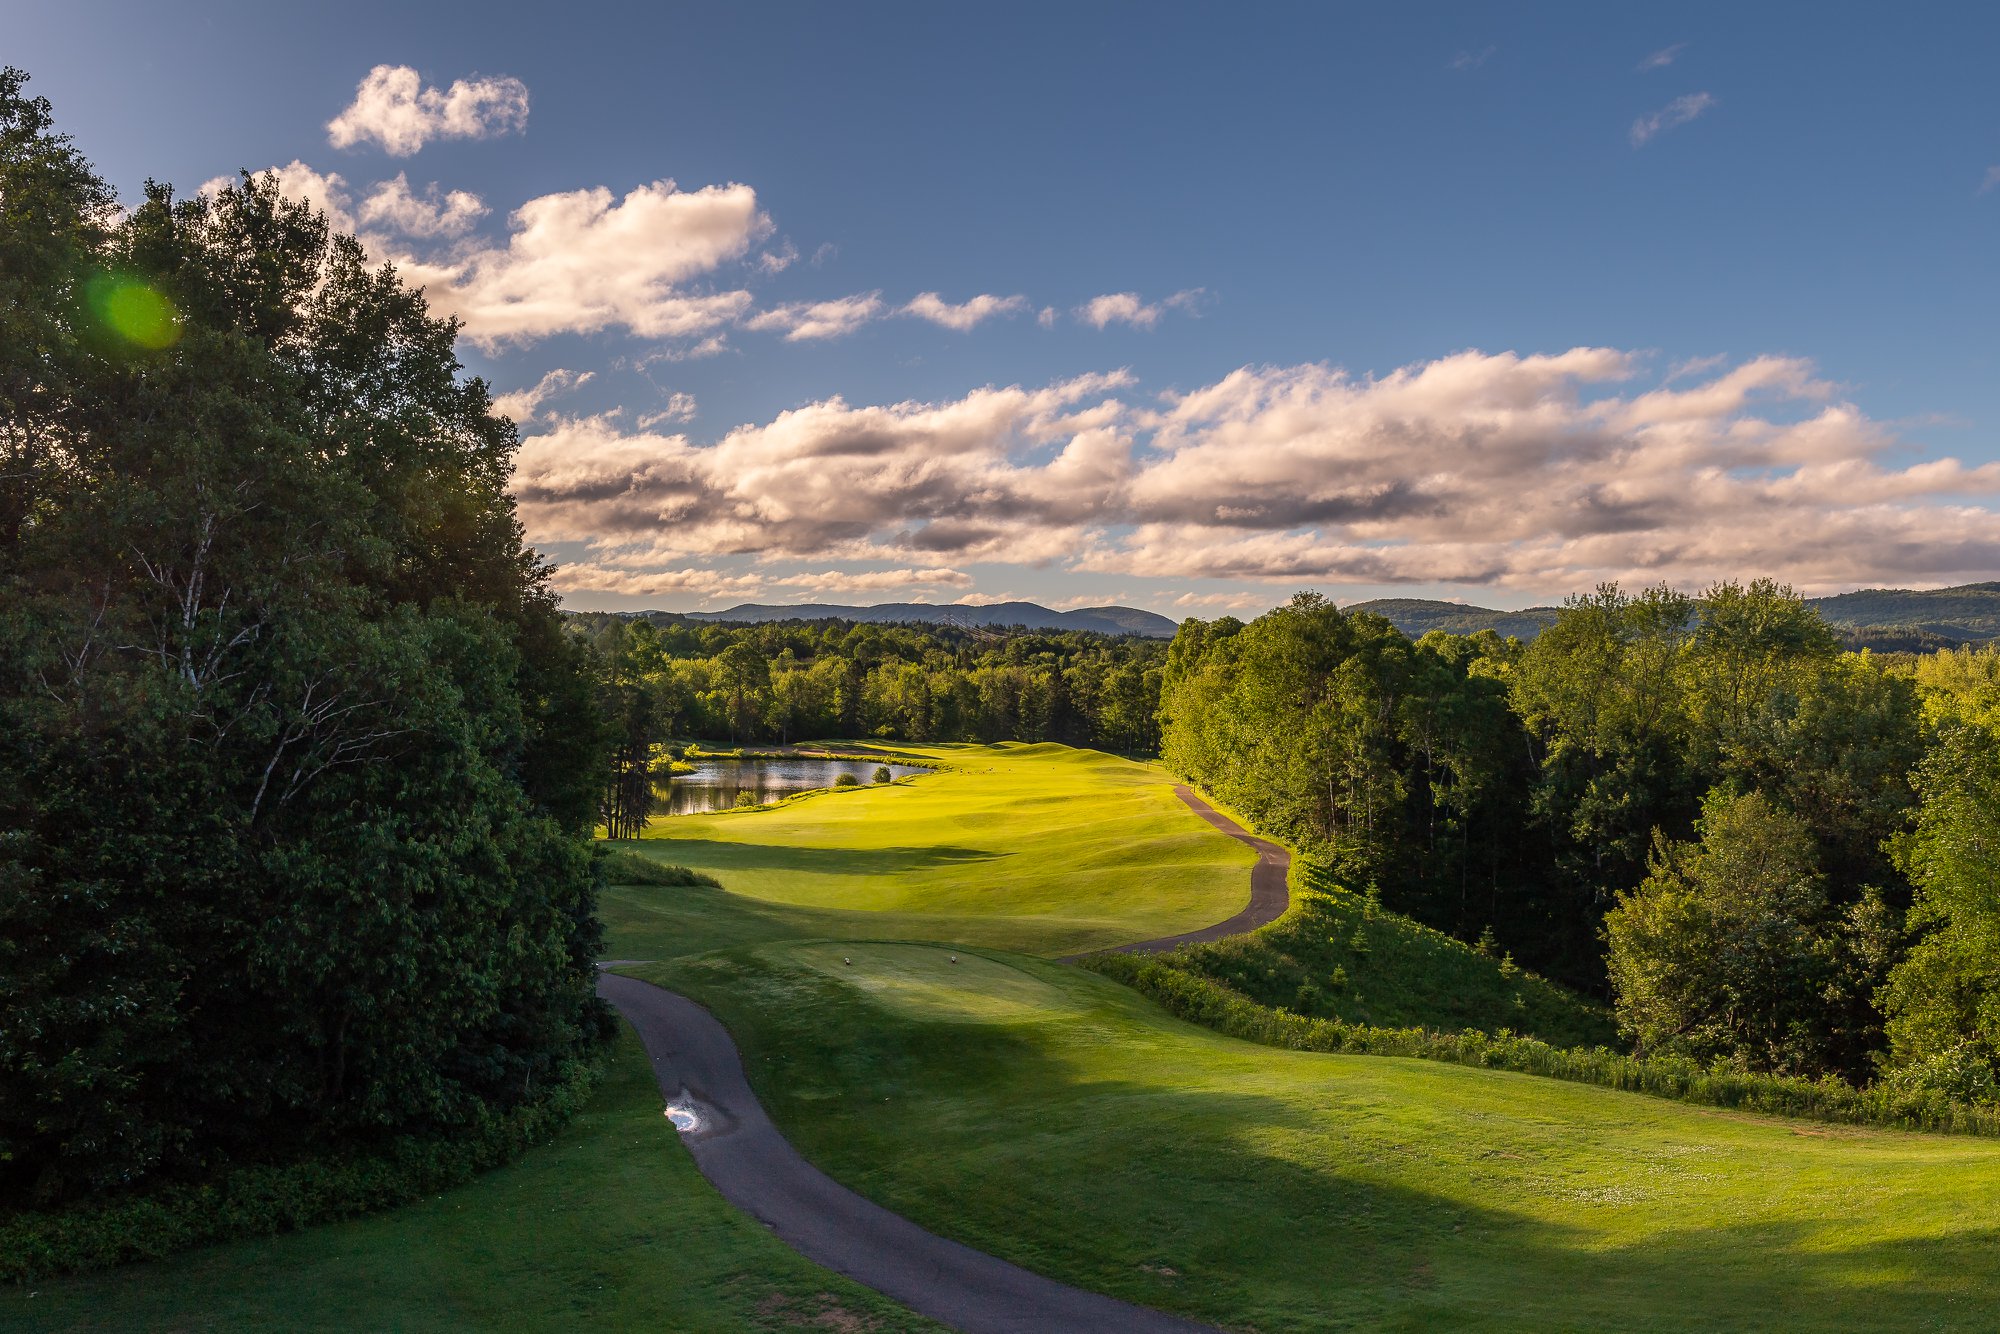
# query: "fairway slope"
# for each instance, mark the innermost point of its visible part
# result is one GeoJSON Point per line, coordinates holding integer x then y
{"type": "Point", "coordinates": [1063, 1123]}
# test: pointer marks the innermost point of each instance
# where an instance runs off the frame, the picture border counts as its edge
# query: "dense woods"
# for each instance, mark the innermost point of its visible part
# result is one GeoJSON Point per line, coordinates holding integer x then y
{"type": "Point", "coordinates": [670, 679]}
{"type": "Point", "coordinates": [1767, 852]}
{"type": "Point", "coordinates": [297, 765]}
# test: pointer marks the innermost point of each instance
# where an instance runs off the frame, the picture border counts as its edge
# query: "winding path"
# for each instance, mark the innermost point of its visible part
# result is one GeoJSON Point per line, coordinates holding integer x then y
{"type": "Point", "coordinates": [740, 1151]}
{"type": "Point", "coordinates": [1269, 896]}
{"type": "Point", "coordinates": [757, 1170]}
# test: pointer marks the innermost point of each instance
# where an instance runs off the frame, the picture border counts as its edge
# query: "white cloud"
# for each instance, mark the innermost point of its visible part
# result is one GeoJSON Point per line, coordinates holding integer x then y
{"type": "Point", "coordinates": [778, 259]}
{"type": "Point", "coordinates": [1539, 473]}
{"type": "Point", "coordinates": [1047, 317]}
{"type": "Point", "coordinates": [1991, 180]}
{"type": "Point", "coordinates": [522, 404]}
{"type": "Point", "coordinates": [583, 261]}
{"type": "Point", "coordinates": [824, 254]}
{"type": "Point", "coordinates": [1677, 112]}
{"type": "Point", "coordinates": [966, 315]}
{"type": "Point", "coordinates": [1126, 308]}
{"type": "Point", "coordinates": [1465, 60]}
{"type": "Point", "coordinates": [679, 408]}
{"type": "Point", "coordinates": [802, 321]}
{"type": "Point", "coordinates": [391, 204]}
{"type": "Point", "coordinates": [1662, 58]}
{"type": "Point", "coordinates": [392, 108]}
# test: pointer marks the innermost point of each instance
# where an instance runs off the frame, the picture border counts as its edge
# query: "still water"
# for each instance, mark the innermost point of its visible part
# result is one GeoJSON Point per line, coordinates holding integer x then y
{"type": "Point", "coordinates": [716, 784]}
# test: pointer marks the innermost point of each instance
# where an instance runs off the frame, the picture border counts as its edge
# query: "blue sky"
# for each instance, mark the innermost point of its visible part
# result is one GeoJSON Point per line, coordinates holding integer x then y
{"type": "Point", "coordinates": [1359, 243]}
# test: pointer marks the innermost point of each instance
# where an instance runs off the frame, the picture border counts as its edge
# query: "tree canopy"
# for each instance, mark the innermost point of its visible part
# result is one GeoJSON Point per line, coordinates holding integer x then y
{"type": "Point", "coordinates": [296, 762]}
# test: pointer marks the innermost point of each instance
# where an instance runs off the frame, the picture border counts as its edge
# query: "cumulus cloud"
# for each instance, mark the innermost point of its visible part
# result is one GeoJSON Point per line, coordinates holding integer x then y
{"type": "Point", "coordinates": [1663, 57]}
{"type": "Point", "coordinates": [967, 314]}
{"type": "Point", "coordinates": [804, 321]}
{"type": "Point", "coordinates": [710, 585]}
{"type": "Point", "coordinates": [392, 108]}
{"type": "Point", "coordinates": [1126, 308]}
{"type": "Point", "coordinates": [522, 404]}
{"type": "Point", "coordinates": [393, 204]}
{"type": "Point", "coordinates": [584, 261]}
{"type": "Point", "coordinates": [1677, 112]}
{"type": "Point", "coordinates": [1541, 473]}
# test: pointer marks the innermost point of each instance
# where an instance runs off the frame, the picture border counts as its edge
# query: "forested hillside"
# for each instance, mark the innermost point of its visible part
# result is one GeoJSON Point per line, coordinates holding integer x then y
{"type": "Point", "coordinates": [297, 766]}
{"type": "Point", "coordinates": [1764, 850]}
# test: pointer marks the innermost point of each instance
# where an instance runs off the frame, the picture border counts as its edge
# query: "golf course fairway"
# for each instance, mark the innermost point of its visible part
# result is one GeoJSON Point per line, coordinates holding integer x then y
{"type": "Point", "coordinates": [1037, 848]}
{"type": "Point", "coordinates": [885, 958]}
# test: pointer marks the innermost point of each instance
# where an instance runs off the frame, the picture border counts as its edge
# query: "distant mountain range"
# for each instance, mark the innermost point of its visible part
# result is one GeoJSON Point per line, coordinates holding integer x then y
{"type": "Point", "coordinates": [1101, 620]}
{"type": "Point", "coordinates": [1885, 619]}
{"type": "Point", "coordinates": [1417, 617]}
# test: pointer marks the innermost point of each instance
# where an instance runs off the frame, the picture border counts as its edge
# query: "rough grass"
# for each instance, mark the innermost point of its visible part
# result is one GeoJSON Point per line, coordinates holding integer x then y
{"type": "Point", "coordinates": [1337, 956]}
{"type": "Point", "coordinates": [609, 1227]}
{"type": "Point", "coordinates": [1058, 1119]}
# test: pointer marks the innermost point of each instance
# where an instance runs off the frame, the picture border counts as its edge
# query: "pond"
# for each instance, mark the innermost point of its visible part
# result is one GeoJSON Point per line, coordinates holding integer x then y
{"type": "Point", "coordinates": [718, 784]}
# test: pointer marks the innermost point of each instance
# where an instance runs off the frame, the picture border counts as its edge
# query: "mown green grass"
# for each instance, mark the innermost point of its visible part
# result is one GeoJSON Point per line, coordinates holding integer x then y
{"type": "Point", "coordinates": [1041, 849]}
{"type": "Point", "coordinates": [1058, 1119]}
{"type": "Point", "coordinates": [609, 1227]}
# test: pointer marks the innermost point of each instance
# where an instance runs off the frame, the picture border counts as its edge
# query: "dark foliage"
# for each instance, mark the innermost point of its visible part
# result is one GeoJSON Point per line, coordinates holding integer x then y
{"type": "Point", "coordinates": [296, 763]}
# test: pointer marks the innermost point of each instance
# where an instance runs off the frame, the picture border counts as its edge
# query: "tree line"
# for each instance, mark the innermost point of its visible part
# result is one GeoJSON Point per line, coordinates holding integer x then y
{"type": "Point", "coordinates": [1767, 852]}
{"type": "Point", "coordinates": [667, 678]}
{"type": "Point", "coordinates": [298, 766]}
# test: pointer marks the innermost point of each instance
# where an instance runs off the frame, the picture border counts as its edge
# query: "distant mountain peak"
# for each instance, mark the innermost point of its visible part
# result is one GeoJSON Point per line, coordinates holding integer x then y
{"type": "Point", "coordinates": [1110, 620]}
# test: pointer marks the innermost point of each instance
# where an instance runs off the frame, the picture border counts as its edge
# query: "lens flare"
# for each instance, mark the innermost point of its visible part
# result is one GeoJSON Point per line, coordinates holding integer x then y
{"type": "Point", "coordinates": [135, 311]}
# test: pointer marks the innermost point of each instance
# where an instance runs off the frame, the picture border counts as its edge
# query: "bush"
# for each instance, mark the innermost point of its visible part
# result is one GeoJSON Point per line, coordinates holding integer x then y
{"type": "Point", "coordinates": [882, 774]}
{"type": "Point", "coordinates": [847, 780]}
{"type": "Point", "coordinates": [629, 868]}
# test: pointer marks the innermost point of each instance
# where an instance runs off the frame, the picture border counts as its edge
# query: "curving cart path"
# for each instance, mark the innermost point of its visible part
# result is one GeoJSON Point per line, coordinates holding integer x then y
{"type": "Point", "coordinates": [740, 1151]}
{"type": "Point", "coordinates": [1269, 896]}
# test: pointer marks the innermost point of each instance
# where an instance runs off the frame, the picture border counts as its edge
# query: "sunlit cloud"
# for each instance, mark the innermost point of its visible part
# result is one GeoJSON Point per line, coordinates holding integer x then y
{"type": "Point", "coordinates": [807, 321]}
{"type": "Point", "coordinates": [434, 213]}
{"type": "Point", "coordinates": [966, 315]}
{"type": "Point", "coordinates": [392, 108]}
{"type": "Point", "coordinates": [1537, 473]}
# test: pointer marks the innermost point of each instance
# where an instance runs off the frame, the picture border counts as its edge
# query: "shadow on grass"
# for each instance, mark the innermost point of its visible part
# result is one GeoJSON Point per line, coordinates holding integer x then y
{"type": "Point", "coordinates": [726, 854]}
{"type": "Point", "coordinates": [1221, 1205]}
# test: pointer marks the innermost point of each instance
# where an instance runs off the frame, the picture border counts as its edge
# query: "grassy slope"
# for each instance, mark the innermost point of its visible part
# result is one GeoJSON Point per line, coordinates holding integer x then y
{"type": "Point", "coordinates": [610, 1225]}
{"type": "Point", "coordinates": [1331, 958]}
{"type": "Point", "coordinates": [1060, 1120]}
{"type": "Point", "coordinates": [1034, 848]}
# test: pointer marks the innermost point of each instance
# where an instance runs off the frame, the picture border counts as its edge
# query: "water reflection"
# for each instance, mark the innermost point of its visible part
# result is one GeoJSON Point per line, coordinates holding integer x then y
{"type": "Point", "coordinates": [718, 785]}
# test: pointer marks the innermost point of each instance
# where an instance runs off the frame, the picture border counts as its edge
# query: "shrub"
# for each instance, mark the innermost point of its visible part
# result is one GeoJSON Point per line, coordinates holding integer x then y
{"type": "Point", "coordinates": [629, 868]}
{"type": "Point", "coordinates": [847, 780]}
{"type": "Point", "coordinates": [882, 774]}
